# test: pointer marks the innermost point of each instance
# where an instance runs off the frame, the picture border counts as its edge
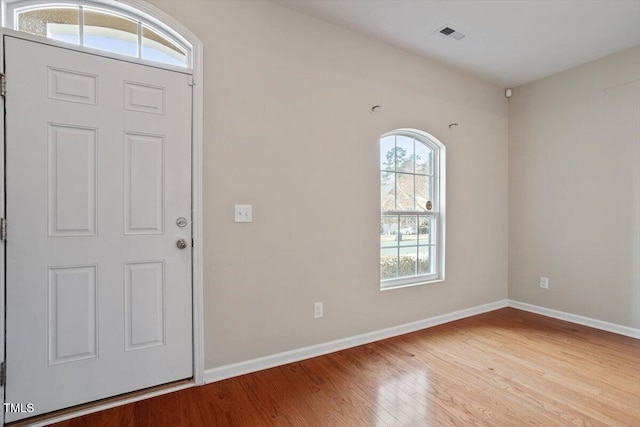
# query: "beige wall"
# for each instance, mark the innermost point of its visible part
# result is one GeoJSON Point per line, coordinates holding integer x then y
{"type": "Point", "coordinates": [288, 128]}
{"type": "Point", "coordinates": [574, 188]}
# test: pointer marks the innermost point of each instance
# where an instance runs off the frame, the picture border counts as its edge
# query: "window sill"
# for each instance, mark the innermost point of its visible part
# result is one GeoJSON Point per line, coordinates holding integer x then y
{"type": "Point", "coordinates": [411, 284]}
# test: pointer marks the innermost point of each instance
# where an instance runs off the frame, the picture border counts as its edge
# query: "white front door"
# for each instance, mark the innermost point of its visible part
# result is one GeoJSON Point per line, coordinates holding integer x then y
{"type": "Point", "coordinates": [98, 172]}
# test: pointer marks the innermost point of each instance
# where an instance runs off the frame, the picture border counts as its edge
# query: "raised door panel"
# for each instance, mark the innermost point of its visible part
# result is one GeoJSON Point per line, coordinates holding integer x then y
{"type": "Point", "coordinates": [144, 98]}
{"type": "Point", "coordinates": [72, 314]}
{"type": "Point", "coordinates": [72, 180]}
{"type": "Point", "coordinates": [144, 305]}
{"type": "Point", "coordinates": [144, 184]}
{"type": "Point", "coordinates": [72, 86]}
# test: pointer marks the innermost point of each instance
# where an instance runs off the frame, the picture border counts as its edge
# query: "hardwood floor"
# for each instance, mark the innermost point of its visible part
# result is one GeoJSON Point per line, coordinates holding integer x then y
{"type": "Point", "coordinates": [504, 368]}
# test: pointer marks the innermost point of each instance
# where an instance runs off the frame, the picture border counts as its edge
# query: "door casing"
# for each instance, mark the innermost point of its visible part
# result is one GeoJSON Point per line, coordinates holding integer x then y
{"type": "Point", "coordinates": [196, 177]}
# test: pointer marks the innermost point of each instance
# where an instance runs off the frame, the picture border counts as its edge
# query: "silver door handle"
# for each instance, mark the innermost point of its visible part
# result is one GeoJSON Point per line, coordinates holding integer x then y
{"type": "Point", "coordinates": [181, 243]}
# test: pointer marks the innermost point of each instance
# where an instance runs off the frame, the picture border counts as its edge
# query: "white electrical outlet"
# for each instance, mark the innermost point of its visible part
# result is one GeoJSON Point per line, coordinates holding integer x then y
{"type": "Point", "coordinates": [244, 213]}
{"type": "Point", "coordinates": [318, 311]}
{"type": "Point", "coordinates": [544, 282]}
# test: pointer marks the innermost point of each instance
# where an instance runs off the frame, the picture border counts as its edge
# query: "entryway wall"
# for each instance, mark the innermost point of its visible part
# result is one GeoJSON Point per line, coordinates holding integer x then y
{"type": "Point", "coordinates": [289, 129]}
{"type": "Point", "coordinates": [288, 108]}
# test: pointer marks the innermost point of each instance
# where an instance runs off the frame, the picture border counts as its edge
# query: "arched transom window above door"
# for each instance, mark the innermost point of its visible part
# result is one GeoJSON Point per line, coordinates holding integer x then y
{"type": "Point", "coordinates": [100, 26]}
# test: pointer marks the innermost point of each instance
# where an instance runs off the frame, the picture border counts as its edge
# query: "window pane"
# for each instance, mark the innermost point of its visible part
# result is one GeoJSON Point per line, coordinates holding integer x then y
{"type": "Point", "coordinates": [407, 234]}
{"type": "Point", "coordinates": [159, 48]}
{"type": "Point", "coordinates": [424, 192]}
{"type": "Point", "coordinates": [388, 230]}
{"type": "Point", "coordinates": [424, 159]}
{"type": "Point", "coordinates": [387, 191]}
{"type": "Point", "coordinates": [404, 192]}
{"type": "Point", "coordinates": [59, 23]}
{"type": "Point", "coordinates": [387, 153]}
{"type": "Point", "coordinates": [425, 260]}
{"type": "Point", "coordinates": [425, 230]}
{"type": "Point", "coordinates": [404, 154]}
{"type": "Point", "coordinates": [388, 263]}
{"type": "Point", "coordinates": [408, 258]}
{"type": "Point", "coordinates": [111, 33]}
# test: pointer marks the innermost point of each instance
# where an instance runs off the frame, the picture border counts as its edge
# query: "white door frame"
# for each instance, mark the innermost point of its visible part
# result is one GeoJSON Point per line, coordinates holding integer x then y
{"type": "Point", "coordinates": [155, 15]}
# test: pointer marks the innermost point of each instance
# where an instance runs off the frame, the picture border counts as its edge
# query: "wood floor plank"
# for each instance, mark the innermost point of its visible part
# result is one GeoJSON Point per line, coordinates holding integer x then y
{"type": "Point", "coordinates": [503, 368]}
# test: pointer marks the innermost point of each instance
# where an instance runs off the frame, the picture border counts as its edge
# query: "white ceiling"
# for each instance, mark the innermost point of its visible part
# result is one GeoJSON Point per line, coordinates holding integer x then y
{"type": "Point", "coordinates": [508, 42]}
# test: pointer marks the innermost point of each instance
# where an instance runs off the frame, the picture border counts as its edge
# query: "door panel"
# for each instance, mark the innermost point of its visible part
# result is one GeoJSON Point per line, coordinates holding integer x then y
{"type": "Point", "coordinates": [144, 305]}
{"type": "Point", "coordinates": [72, 333]}
{"type": "Point", "coordinates": [98, 169]}
{"type": "Point", "coordinates": [72, 86]}
{"type": "Point", "coordinates": [144, 184]}
{"type": "Point", "coordinates": [72, 173]}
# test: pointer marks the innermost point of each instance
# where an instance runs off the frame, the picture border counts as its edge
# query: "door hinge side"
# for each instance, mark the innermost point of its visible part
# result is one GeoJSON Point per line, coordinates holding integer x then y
{"type": "Point", "coordinates": [3, 84]}
{"type": "Point", "coordinates": [3, 229]}
{"type": "Point", "coordinates": [3, 373]}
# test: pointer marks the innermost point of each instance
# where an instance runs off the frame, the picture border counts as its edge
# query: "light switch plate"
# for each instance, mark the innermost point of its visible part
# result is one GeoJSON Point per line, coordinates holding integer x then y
{"type": "Point", "coordinates": [244, 213]}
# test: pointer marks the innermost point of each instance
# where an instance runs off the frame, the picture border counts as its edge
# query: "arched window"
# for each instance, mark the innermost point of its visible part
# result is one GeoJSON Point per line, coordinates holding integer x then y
{"type": "Point", "coordinates": [98, 26]}
{"type": "Point", "coordinates": [412, 208]}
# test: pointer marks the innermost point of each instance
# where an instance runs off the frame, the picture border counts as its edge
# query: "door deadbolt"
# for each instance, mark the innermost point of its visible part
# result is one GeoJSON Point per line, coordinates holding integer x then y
{"type": "Point", "coordinates": [181, 222]}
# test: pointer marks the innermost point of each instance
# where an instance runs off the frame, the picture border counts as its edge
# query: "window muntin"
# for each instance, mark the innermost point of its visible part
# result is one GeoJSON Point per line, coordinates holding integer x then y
{"type": "Point", "coordinates": [411, 242]}
{"type": "Point", "coordinates": [102, 29]}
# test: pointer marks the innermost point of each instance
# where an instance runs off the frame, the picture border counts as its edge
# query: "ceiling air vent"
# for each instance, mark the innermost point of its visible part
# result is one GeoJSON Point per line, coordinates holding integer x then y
{"type": "Point", "coordinates": [450, 32]}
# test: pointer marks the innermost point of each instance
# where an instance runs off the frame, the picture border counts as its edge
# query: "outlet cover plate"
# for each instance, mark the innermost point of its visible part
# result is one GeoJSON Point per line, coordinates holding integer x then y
{"type": "Point", "coordinates": [244, 213]}
{"type": "Point", "coordinates": [544, 282]}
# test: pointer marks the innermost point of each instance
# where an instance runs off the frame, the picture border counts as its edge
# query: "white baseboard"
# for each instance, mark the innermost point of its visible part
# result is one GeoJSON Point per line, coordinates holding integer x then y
{"type": "Point", "coordinates": [574, 318]}
{"type": "Point", "coordinates": [278, 359]}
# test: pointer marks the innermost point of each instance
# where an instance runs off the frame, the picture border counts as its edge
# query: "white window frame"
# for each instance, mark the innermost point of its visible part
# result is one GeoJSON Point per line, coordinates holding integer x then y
{"type": "Point", "coordinates": [438, 213]}
{"type": "Point", "coordinates": [10, 9]}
